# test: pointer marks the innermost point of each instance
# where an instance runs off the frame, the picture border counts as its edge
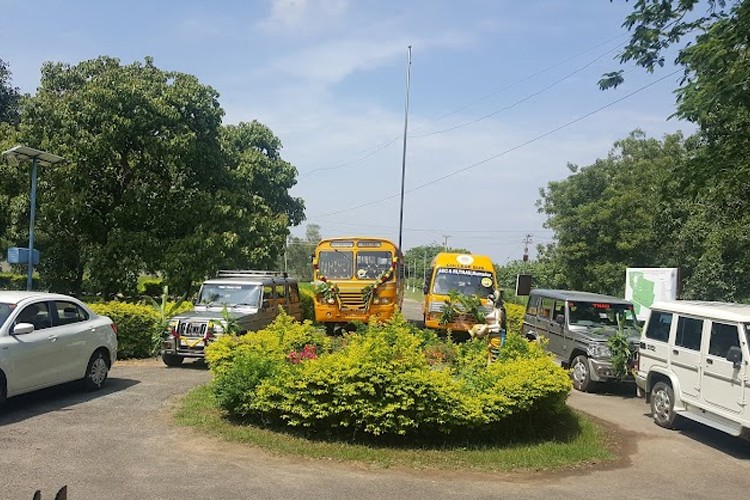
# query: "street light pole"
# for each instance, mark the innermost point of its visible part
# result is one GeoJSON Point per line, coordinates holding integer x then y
{"type": "Point", "coordinates": [37, 157]}
{"type": "Point", "coordinates": [32, 216]}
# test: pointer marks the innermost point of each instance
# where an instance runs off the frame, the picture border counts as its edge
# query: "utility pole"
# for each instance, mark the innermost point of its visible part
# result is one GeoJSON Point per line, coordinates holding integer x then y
{"type": "Point", "coordinates": [403, 155]}
{"type": "Point", "coordinates": [445, 242]}
{"type": "Point", "coordinates": [526, 242]}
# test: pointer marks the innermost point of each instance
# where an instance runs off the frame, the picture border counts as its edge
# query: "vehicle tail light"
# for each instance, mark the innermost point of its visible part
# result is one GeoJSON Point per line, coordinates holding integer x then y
{"type": "Point", "coordinates": [114, 328]}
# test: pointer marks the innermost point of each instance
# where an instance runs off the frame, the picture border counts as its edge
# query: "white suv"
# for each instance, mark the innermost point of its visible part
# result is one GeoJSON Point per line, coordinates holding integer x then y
{"type": "Point", "coordinates": [48, 339]}
{"type": "Point", "coordinates": [693, 363]}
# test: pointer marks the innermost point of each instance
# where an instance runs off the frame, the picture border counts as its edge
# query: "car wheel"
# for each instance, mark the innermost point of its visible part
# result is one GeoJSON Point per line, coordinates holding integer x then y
{"type": "Point", "coordinates": [579, 372]}
{"type": "Point", "coordinates": [3, 391]}
{"type": "Point", "coordinates": [171, 359]}
{"type": "Point", "coordinates": [662, 405]}
{"type": "Point", "coordinates": [96, 372]}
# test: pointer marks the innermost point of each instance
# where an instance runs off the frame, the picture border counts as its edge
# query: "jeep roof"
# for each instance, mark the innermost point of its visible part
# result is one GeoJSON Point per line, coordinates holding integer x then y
{"type": "Point", "coordinates": [251, 277]}
{"type": "Point", "coordinates": [717, 310]}
{"type": "Point", "coordinates": [578, 296]}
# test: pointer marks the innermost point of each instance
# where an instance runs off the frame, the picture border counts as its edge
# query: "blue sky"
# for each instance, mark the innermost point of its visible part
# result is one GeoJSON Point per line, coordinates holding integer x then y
{"type": "Point", "coordinates": [490, 82]}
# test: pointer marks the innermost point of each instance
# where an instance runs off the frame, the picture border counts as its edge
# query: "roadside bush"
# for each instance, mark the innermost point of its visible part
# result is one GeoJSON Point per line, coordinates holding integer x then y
{"type": "Point", "coordinates": [383, 382]}
{"type": "Point", "coordinates": [12, 281]}
{"type": "Point", "coordinates": [307, 299]}
{"type": "Point", "coordinates": [138, 327]}
{"type": "Point", "coordinates": [514, 318]}
{"type": "Point", "coordinates": [150, 286]}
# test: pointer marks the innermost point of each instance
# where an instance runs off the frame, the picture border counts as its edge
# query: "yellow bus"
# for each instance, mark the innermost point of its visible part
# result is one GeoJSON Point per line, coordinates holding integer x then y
{"type": "Point", "coordinates": [356, 279]}
{"type": "Point", "coordinates": [463, 273]}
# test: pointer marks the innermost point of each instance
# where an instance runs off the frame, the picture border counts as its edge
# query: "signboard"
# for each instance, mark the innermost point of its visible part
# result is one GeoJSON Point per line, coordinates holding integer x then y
{"type": "Point", "coordinates": [646, 285]}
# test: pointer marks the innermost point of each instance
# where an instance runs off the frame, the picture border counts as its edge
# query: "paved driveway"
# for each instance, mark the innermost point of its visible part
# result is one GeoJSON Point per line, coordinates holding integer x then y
{"type": "Point", "coordinates": [118, 443]}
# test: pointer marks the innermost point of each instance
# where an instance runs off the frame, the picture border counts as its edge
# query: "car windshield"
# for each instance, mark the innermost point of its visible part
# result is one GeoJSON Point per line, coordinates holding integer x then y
{"type": "Point", "coordinates": [230, 294]}
{"type": "Point", "coordinates": [371, 265]}
{"type": "Point", "coordinates": [465, 281]}
{"type": "Point", "coordinates": [5, 310]}
{"type": "Point", "coordinates": [601, 314]}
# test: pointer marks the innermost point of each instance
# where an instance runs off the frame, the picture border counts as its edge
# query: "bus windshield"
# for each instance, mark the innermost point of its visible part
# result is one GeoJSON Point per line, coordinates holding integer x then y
{"type": "Point", "coordinates": [370, 264]}
{"type": "Point", "coordinates": [601, 314]}
{"type": "Point", "coordinates": [336, 264]}
{"type": "Point", "coordinates": [468, 282]}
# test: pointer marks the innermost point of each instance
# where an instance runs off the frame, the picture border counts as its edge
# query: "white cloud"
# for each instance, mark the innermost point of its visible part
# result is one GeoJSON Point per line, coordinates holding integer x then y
{"type": "Point", "coordinates": [294, 17]}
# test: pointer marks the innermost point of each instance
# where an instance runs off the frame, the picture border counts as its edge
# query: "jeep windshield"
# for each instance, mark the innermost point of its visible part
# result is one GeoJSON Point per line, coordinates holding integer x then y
{"type": "Point", "coordinates": [602, 314]}
{"type": "Point", "coordinates": [229, 294]}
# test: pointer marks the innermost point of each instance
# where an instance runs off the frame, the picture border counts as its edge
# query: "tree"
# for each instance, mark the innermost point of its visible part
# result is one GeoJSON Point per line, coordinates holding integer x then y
{"type": "Point", "coordinates": [10, 97]}
{"type": "Point", "coordinates": [299, 253]}
{"type": "Point", "coordinates": [152, 180]}
{"type": "Point", "coordinates": [417, 260]}
{"type": "Point", "coordinates": [605, 215]}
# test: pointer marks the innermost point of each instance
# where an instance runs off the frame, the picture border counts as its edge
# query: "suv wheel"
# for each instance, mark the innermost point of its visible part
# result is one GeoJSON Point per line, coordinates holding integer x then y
{"type": "Point", "coordinates": [579, 371]}
{"type": "Point", "coordinates": [662, 405]}
{"type": "Point", "coordinates": [171, 359]}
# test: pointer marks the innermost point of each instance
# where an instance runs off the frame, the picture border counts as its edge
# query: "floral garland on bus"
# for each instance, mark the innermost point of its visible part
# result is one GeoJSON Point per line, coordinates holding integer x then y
{"type": "Point", "coordinates": [368, 292]}
{"type": "Point", "coordinates": [327, 290]}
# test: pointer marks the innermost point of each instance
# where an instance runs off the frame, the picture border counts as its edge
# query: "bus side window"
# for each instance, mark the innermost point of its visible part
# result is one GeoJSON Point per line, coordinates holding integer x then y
{"type": "Point", "coordinates": [427, 281]}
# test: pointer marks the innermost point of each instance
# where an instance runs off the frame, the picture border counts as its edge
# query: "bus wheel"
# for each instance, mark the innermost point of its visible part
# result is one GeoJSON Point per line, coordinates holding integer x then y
{"type": "Point", "coordinates": [330, 328]}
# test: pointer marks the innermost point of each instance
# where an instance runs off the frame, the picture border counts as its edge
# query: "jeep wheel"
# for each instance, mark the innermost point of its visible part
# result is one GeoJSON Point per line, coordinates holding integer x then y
{"type": "Point", "coordinates": [579, 372]}
{"type": "Point", "coordinates": [662, 405]}
{"type": "Point", "coordinates": [171, 360]}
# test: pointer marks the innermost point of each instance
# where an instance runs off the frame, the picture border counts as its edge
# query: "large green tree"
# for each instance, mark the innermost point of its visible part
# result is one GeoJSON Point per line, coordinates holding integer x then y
{"type": "Point", "coordinates": [10, 96]}
{"type": "Point", "coordinates": [299, 253]}
{"type": "Point", "coordinates": [605, 215]}
{"type": "Point", "coordinates": [152, 181]}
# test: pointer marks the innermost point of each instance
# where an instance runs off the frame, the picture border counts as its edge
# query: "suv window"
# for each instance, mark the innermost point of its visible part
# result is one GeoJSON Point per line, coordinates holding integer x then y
{"type": "Point", "coordinates": [546, 310]}
{"type": "Point", "coordinates": [533, 305]}
{"type": "Point", "coordinates": [293, 293]}
{"type": "Point", "coordinates": [689, 333]}
{"type": "Point", "coordinates": [723, 336]}
{"type": "Point", "coordinates": [658, 326]}
{"type": "Point", "coordinates": [268, 297]}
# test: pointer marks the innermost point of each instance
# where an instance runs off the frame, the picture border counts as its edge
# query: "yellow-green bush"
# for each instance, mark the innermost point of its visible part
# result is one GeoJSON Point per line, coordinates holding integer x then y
{"type": "Point", "coordinates": [307, 299]}
{"type": "Point", "coordinates": [514, 316]}
{"type": "Point", "coordinates": [382, 381]}
{"type": "Point", "coordinates": [138, 327]}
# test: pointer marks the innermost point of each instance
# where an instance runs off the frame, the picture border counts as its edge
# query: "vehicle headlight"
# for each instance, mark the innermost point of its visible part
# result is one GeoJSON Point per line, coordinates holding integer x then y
{"type": "Point", "coordinates": [384, 300]}
{"type": "Point", "coordinates": [376, 300]}
{"type": "Point", "coordinates": [599, 351]}
{"type": "Point", "coordinates": [330, 301]}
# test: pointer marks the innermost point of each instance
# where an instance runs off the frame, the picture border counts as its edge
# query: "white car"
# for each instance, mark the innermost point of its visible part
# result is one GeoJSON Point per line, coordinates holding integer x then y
{"type": "Point", "coordinates": [48, 339]}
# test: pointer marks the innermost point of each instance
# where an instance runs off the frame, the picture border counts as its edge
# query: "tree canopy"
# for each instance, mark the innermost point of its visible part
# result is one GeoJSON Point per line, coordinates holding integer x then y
{"type": "Point", "coordinates": [153, 181]}
{"type": "Point", "coordinates": [10, 96]}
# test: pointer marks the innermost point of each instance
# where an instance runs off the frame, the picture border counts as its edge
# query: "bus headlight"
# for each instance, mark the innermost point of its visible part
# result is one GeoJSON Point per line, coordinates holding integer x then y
{"type": "Point", "coordinates": [376, 300]}
{"type": "Point", "coordinates": [330, 301]}
{"type": "Point", "coordinates": [384, 300]}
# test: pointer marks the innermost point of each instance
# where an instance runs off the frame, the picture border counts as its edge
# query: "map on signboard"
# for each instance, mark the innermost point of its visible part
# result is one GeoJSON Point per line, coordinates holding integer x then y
{"type": "Point", "coordinates": [644, 286]}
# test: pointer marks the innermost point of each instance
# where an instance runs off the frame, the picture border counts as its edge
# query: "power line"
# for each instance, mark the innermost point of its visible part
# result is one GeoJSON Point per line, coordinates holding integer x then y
{"type": "Point", "coordinates": [367, 153]}
{"type": "Point", "coordinates": [509, 150]}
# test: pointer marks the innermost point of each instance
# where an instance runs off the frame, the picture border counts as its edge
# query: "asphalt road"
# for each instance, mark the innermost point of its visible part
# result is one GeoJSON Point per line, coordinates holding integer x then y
{"type": "Point", "coordinates": [119, 443]}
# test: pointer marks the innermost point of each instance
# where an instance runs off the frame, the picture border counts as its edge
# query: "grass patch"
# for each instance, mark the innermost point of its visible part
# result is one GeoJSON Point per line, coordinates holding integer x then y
{"type": "Point", "coordinates": [578, 442]}
{"type": "Point", "coordinates": [413, 294]}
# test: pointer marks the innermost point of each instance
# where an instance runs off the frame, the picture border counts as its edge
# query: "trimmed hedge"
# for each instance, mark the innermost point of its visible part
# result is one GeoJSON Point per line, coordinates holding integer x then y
{"type": "Point", "coordinates": [12, 281]}
{"type": "Point", "coordinates": [514, 317]}
{"type": "Point", "coordinates": [139, 327]}
{"type": "Point", "coordinates": [386, 381]}
{"type": "Point", "coordinates": [307, 299]}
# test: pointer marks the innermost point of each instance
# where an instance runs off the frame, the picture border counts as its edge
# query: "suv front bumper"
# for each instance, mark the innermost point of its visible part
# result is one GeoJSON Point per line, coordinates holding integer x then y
{"type": "Point", "coordinates": [186, 351]}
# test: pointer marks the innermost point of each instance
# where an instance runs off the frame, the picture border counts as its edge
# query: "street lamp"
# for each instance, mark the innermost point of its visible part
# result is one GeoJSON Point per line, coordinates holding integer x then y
{"type": "Point", "coordinates": [15, 156]}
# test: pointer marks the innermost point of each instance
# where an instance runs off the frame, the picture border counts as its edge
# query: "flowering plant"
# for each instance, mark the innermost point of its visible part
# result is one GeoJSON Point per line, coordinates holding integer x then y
{"type": "Point", "coordinates": [307, 352]}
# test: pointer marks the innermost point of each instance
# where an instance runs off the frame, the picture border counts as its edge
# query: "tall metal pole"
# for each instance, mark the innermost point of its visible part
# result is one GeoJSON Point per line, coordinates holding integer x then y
{"type": "Point", "coordinates": [32, 214]}
{"type": "Point", "coordinates": [403, 156]}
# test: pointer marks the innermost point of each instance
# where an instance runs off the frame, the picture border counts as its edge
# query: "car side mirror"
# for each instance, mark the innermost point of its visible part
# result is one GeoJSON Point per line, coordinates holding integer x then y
{"type": "Point", "coordinates": [734, 354]}
{"type": "Point", "coordinates": [22, 329]}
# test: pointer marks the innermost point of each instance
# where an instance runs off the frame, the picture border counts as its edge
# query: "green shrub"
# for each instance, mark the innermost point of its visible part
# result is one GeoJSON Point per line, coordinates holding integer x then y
{"type": "Point", "coordinates": [514, 316]}
{"type": "Point", "coordinates": [138, 327]}
{"type": "Point", "coordinates": [384, 381]}
{"type": "Point", "coordinates": [307, 298]}
{"type": "Point", "coordinates": [150, 286]}
{"type": "Point", "coordinates": [12, 281]}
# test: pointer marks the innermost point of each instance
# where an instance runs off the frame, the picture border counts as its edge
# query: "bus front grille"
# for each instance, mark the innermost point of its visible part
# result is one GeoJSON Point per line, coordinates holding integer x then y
{"type": "Point", "coordinates": [352, 300]}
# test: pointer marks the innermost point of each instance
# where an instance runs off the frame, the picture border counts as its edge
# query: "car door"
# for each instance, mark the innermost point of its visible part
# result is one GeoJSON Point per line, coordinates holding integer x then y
{"type": "Point", "coordinates": [686, 357]}
{"type": "Point", "coordinates": [33, 357]}
{"type": "Point", "coordinates": [723, 384]}
{"type": "Point", "coordinates": [267, 311]}
{"type": "Point", "coordinates": [75, 332]}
